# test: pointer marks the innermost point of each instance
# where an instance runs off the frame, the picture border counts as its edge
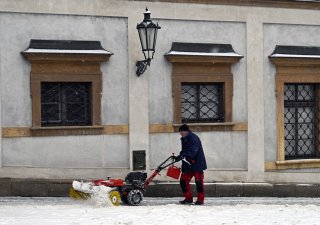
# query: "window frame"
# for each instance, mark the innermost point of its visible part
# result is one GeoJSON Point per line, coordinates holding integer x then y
{"type": "Point", "coordinates": [295, 71]}
{"type": "Point", "coordinates": [66, 67]}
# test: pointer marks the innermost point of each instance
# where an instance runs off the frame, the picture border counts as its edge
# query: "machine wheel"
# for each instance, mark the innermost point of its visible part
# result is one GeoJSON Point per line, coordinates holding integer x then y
{"type": "Point", "coordinates": [78, 194]}
{"type": "Point", "coordinates": [134, 197]}
{"type": "Point", "coordinates": [114, 197]}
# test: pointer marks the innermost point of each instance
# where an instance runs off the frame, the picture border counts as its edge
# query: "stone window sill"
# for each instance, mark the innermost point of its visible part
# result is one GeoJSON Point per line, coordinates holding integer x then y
{"type": "Point", "coordinates": [227, 126]}
{"type": "Point", "coordinates": [66, 130]}
{"type": "Point", "coordinates": [293, 164]}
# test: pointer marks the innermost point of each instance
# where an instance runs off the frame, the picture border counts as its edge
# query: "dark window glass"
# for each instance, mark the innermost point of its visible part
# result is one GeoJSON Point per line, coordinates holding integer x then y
{"type": "Point", "coordinates": [202, 102]}
{"type": "Point", "coordinates": [65, 103]}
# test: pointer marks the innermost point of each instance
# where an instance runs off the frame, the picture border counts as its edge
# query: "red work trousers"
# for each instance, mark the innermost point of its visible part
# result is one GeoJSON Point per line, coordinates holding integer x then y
{"type": "Point", "coordinates": [185, 185]}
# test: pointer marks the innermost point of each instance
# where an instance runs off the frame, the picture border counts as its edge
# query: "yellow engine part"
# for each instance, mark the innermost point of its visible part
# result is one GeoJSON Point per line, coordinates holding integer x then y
{"type": "Point", "coordinates": [114, 197]}
{"type": "Point", "coordinates": [78, 194]}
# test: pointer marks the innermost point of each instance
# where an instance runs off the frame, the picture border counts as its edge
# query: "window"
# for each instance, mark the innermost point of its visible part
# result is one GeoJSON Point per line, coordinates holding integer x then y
{"type": "Point", "coordinates": [65, 104]}
{"type": "Point", "coordinates": [202, 84]}
{"type": "Point", "coordinates": [202, 102]}
{"type": "Point", "coordinates": [297, 83]}
{"type": "Point", "coordinates": [300, 120]}
{"type": "Point", "coordinates": [66, 86]}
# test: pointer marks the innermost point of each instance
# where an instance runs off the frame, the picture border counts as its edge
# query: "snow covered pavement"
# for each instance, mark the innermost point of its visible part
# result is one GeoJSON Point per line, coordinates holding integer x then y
{"type": "Point", "coordinates": [245, 211]}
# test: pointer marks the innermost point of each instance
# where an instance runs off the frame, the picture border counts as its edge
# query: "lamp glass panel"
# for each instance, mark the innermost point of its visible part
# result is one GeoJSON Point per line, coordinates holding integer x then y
{"type": "Point", "coordinates": [150, 38]}
{"type": "Point", "coordinates": [142, 35]}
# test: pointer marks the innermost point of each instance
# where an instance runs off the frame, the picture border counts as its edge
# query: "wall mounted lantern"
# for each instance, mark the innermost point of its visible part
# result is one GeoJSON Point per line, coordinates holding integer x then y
{"type": "Point", "coordinates": [148, 36]}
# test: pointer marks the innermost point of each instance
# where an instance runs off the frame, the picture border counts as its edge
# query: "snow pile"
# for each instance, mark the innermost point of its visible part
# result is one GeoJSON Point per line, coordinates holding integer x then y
{"type": "Point", "coordinates": [100, 196]}
{"type": "Point", "coordinates": [86, 187]}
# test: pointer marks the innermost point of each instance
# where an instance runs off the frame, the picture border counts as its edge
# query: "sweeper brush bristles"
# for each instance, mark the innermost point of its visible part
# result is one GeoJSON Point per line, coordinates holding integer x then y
{"type": "Point", "coordinates": [78, 194]}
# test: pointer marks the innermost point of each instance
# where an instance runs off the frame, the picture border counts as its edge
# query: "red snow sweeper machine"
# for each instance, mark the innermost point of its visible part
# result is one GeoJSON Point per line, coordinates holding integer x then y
{"type": "Point", "coordinates": [129, 191]}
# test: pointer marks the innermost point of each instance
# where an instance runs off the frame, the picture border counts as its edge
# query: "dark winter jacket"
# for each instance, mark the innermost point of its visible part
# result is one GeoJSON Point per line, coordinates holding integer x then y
{"type": "Point", "coordinates": [192, 152]}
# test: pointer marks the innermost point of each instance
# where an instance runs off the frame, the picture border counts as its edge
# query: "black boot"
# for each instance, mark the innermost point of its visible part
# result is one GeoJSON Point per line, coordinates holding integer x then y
{"type": "Point", "coordinates": [186, 202]}
{"type": "Point", "coordinates": [198, 203]}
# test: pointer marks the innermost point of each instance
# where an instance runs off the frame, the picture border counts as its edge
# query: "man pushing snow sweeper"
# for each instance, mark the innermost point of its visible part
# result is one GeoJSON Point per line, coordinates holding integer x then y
{"type": "Point", "coordinates": [193, 165]}
{"type": "Point", "coordinates": [130, 190]}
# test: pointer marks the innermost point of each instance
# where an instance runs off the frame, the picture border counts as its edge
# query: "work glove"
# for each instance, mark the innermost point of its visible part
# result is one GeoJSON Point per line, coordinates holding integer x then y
{"type": "Point", "coordinates": [177, 158]}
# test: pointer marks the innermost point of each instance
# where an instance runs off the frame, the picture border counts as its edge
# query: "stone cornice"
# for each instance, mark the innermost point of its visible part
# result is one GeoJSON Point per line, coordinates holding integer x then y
{"type": "Point", "coordinates": [313, 5]}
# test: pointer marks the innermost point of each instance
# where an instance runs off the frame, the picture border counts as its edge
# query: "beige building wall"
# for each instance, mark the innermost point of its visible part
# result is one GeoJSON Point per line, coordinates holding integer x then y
{"type": "Point", "coordinates": [255, 22]}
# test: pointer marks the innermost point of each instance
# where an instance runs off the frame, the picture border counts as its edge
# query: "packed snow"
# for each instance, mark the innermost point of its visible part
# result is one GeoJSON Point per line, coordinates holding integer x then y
{"type": "Point", "coordinates": [294, 56]}
{"type": "Point", "coordinates": [230, 54]}
{"type": "Point", "coordinates": [245, 211]}
{"type": "Point", "coordinates": [98, 51]}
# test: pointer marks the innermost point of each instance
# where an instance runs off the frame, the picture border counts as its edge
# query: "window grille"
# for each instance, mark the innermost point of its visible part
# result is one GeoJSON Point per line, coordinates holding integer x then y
{"type": "Point", "coordinates": [202, 102]}
{"type": "Point", "coordinates": [300, 120]}
{"type": "Point", "coordinates": [65, 103]}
